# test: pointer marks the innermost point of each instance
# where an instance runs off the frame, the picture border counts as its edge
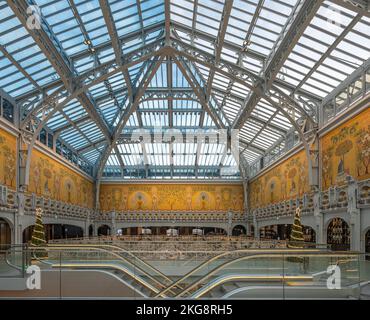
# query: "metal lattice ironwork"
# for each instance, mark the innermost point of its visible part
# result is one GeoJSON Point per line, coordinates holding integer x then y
{"type": "Point", "coordinates": [88, 74]}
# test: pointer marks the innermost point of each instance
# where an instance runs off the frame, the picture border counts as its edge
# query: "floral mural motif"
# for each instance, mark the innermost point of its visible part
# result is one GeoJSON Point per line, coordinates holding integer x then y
{"type": "Point", "coordinates": [346, 151]}
{"type": "Point", "coordinates": [157, 197]}
{"type": "Point", "coordinates": [51, 179]}
{"type": "Point", "coordinates": [287, 180]}
{"type": "Point", "coordinates": [8, 161]}
{"type": "Point", "coordinates": [363, 156]}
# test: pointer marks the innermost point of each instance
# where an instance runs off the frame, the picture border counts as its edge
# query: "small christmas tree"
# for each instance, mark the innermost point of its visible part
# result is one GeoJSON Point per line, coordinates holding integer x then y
{"type": "Point", "coordinates": [296, 240]}
{"type": "Point", "coordinates": [38, 234]}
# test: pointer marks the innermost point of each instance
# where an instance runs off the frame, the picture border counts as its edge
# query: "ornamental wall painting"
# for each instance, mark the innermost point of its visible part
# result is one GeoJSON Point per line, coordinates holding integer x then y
{"type": "Point", "coordinates": [167, 197]}
{"type": "Point", "coordinates": [52, 180]}
{"type": "Point", "coordinates": [346, 152]}
{"type": "Point", "coordinates": [8, 162]}
{"type": "Point", "coordinates": [285, 181]}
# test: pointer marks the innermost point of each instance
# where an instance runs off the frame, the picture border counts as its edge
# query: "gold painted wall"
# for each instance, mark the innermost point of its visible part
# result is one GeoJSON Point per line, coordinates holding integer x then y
{"type": "Point", "coordinates": [346, 151]}
{"type": "Point", "coordinates": [51, 179]}
{"type": "Point", "coordinates": [287, 180]}
{"type": "Point", "coordinates": [185, 197]}
{"type": "Point", "coordinates": [8, 156]}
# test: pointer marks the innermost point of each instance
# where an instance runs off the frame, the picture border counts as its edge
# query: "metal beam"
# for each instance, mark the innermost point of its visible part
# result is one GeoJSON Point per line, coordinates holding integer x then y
{"type": "Point", "coordinates": [282, 101]}
{"type": "Point", "coordinates": [19, 67]}
{"type": "Point", "coordinates": [150, 94]}
{"type": "Point", "coordinates": [125, 115]}
{"type": "Point", "coordinates": [57, 100]}
{"type": "Point", "coordinates": [116, 44]}
{"type": "Point", "coordinates": [169, 85]}
{"type": "Point", "coordinates": [359, 6]}
{"type": "Point", "coordinates": [207, 37]}
{"type": "Point", "coordinates": [297, 23]}
{"type": "Point", "coordinates": [167, 21]}
{"type": "Point", "coordinates": [346, 82]}
{"type": "Point", "coordinates": [198, 90]}
{"type": "Point", "coordinates": [52, 49]}
{"type": "Point", "coordinates": [252, 147]}
{"type": "Point", "coordinates": [332, 47]}
{"type": "Point", "coordinates": [219, 43]}
{"type": "Point", "coordinates": [244, 49]}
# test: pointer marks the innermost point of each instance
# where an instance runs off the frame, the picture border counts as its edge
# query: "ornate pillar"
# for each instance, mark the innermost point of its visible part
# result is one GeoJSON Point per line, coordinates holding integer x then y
{"type": "Point", "coordinates": [229, 223]}
{"type": "Point", "coordinates": [354, 214]}
{"type": "Point", "coordinates": [319, 216]}
{"type": "Point", "coordinates": [257, 234]}
{"type": "Point", "coordinates": [113, 223]}
{"type": "Point", "coordinates": [246, 206]}
{"type": "Point", "coordinates": [24, 141]}
{"type": "Point", "coordinates": [18, 217]}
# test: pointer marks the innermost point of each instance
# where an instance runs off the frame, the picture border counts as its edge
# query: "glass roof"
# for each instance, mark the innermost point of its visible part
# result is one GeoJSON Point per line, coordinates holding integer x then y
{"type": "Point", "coordinates": [184, 94]}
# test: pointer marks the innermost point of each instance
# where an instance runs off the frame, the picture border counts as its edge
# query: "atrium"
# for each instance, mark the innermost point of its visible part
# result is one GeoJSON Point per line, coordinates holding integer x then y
{"type": "Point", "coordinates": [185, 148]}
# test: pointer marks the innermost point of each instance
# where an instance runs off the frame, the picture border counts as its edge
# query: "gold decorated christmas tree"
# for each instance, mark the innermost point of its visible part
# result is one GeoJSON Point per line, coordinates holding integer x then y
{"type": "Point", "coordinates": [38, 235]}
{"type": "Point", "coordinates": [296, 240]}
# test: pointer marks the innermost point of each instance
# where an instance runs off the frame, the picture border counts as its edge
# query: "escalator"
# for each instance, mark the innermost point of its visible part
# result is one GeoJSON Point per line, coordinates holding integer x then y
{"type": "Point", "coordinates": [264, 273]}
{"type": "Point", "coordinates": [128, 256]}
{"type": "Point", "coordinates": [148, 281]}
{"type": "Point", "coordinates": [214, 264]}
{"type": "Point", "coordinates": [268, 268]}
{"type": "Point", "coordinates": [132, 270]}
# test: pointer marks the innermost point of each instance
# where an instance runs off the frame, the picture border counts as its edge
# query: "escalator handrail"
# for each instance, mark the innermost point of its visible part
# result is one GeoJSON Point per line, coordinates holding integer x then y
{"type": "Point", "coordinates": [110, 252]}
{"type": "Point", "coordinates": [7, 253]}
{"type": "Point", "coordinates": [222, 266]}
{"type": "Point", "coordinates": [121, 250]}
{"type": "Point", "coordinates": [108, 265]}
{"type": "Point", "coordinates": [223, 254]}
{"type": "Point", "coordinates": [233, 277]}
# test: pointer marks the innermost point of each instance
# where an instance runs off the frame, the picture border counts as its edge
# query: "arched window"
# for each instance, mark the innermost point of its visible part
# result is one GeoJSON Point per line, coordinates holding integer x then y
{"type": "Point", "coordinates": [338, 234]}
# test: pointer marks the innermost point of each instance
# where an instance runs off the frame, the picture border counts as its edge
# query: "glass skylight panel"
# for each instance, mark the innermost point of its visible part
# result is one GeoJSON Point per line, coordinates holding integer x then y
{"type": "Point", "coordinates": [74, 110]}
{"type": "Point", "coordinates": [178, 79]}
{"type": "Point", "coordinates": [60, 17]}
{"type": "Point", "coordinates": [93, 20]}
{"type": "Point", "coordinates": [182, 11]}
{"type": "Point", "coordinates": [126, 16]}
{"type": "Point", "coordinates": [56, 121]}
{"type": "Point", "coordinates": [109, 110]}
{"type": "Point", "coordinates": [229, 161]}
{"type": "Point", "coordinates": [155, 119]}
{"type": "Point", "coordinates": [152, 12]}
{"type": "Point", "coordinates": [160, 78]}
{"type": "Point", "coordinates": [92, 155]}
{"type": "Point", "coordinates": [250, 156]}
{"type": "Point", "coordinates": [113, 160]}
{"type": "Point", "coordinates": [316, 40]}
{"type": "Point", "coordinates": [16, 41]}
{"type": "Point", "coordinates": [132, 121]}
{"type": "Point", "coordinates": [74, 138]}
{"type": "Point", "coordinates": [208, 122]}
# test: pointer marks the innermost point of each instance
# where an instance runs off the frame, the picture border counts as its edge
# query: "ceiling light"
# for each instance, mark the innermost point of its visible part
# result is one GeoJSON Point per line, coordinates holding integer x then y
{"type": "Point", "coordinates": [87, 42]}
{"type": "Point", "coordinates": [246, 43]}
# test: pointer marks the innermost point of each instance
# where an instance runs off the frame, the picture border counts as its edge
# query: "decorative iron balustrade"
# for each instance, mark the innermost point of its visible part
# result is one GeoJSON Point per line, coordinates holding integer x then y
{"type": "Point", "coordinates": [353, 195]}
{"type": "Point", "coordinates": [286, 208]}
{"type": "Point", "coordinates": [170, 216]}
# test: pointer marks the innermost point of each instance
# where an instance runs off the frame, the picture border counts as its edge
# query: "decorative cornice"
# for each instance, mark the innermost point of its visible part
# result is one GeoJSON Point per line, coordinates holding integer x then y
{"type": "Point", "coordinates": [172, 181]}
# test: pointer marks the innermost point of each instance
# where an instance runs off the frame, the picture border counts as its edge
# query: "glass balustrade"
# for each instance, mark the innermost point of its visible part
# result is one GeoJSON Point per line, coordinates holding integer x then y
{"type": "Point", "coordinates": [108, 271]}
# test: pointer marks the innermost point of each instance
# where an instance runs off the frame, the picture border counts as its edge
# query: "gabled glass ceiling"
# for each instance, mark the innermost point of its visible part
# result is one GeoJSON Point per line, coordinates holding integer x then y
{"type": "Point", "coordinates": [245, 33]}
